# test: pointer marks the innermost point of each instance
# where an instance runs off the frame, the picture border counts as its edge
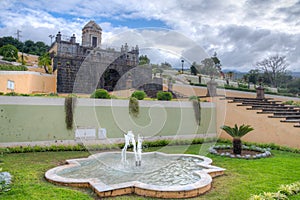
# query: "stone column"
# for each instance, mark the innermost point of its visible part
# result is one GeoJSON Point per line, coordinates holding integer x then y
{"type": "Point", "coordinates": [260, 92]}
{"type": "Point", "coordinates": [211, 88]}
{"type": "Point", "coordinates": [170, 85]}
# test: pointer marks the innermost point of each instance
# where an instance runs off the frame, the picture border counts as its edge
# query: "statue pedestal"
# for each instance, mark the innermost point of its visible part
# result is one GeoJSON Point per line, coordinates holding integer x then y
{"type": "Point", "coordinates": [260, 92]}
{"type": "Point", "coordinates": [211, 88]}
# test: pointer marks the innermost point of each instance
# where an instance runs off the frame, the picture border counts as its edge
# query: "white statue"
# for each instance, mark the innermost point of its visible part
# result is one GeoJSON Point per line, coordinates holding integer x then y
{"type": "Point", "coordinates": [129, 138]}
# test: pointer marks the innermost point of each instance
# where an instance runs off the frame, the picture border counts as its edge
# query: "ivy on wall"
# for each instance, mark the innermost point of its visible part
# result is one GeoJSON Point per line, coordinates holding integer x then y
{"type": "Point", "coordinates": [69, 111]}
{"type": "Point", "coordinates": [134, 108]}
{"type": "Point", "coordinates": [197, 109]}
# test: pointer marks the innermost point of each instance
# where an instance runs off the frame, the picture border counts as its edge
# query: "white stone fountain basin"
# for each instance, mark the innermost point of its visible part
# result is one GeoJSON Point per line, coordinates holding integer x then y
{"type": "Point", "coordinates": [161, 175]}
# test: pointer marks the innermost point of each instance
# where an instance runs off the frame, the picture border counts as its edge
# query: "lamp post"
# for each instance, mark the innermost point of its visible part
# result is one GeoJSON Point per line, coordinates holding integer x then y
{"type": "Point", "coordinates": [182, 61]}
{"type": "Point", "coordinates": [51, 36]}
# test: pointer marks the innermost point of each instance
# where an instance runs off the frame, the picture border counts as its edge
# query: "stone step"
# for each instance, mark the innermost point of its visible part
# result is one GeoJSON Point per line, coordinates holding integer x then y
{"type": "Point", "coordinates": [297, 125]}
{"type": "Point", "coordinates": [260, 104]}
{"type": "Point", "coordinates": [293, 117]}
{"type": "Point", "coordinates": [270, 109]}
{"type": "Point", "coordinates": [285, 116]}
{"type": "Point", "coordinates": [274, 106]}
{"type": "Point", "coordinates": [273, 111]}
{"type": "Point", "coordinates": [281, 109]}
{"type": "Point", "coordinates": [291, 120]}
{"type": "Point", "coordinates": [294, 112]}
{"type": "Point", "coordinates": [265, 112]}
{"type": "Point", "coordinates": [251, 102]}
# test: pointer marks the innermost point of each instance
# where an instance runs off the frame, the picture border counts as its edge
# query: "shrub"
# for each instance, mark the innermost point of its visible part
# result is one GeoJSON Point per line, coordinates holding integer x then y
{"type": "Point", "coordinates": [243, 86]}
{"type": "Point", "coordinates": [11, 94]}
{"type": "Point", "coordinates": [134, 109]}
{"type": "Point", "coordinates": [191, 98]}
{"type": "Point", "coordinates": [140, 95]}
{"type": "Point", "coordinates": [164, 96]}
{"type": "Point", "coordinates": [53, 94]}
{"type": "Point", "coordinates": [290, 102]}
{"type": "Point", "coordinates": [100, 94]}
{"type": "Point", "coordinates": [9, 52]}
{"type": "Point", "coordinates": [284, 192]}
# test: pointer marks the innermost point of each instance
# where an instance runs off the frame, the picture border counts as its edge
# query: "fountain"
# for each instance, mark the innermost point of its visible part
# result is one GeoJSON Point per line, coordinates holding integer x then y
{"type": "Point", "coordinates": [138, 160]}
{"type": "Point", "coordinates": [161, 175]}
{"type": "Point", "coordinates": [129, 138]}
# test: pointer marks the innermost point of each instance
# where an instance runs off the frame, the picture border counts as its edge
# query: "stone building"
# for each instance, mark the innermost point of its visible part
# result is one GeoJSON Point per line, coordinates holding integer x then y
{"type": "Point", "coordinates": [86, 67]}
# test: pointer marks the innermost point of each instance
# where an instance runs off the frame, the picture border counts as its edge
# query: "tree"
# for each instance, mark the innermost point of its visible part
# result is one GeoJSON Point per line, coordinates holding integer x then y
{"type": "Point", "coordinates": [166, 65]}
{"type": "Point", "coordinates": [194, 70]}
{"type": "Point", "coordinates": [144, 60]}
{"type": "Point", "coordinates": [10, 40]}
{"type": "Point", "coordinates": [237, 132]}
{"type": "Point", "coordinates": [273, 67]}
{"type": "Point", "coordinates": [9, 52]}
{"type": "Point", "coordinates": [294, 86]}
{"type": "Point", "coordinates": [39, 48]}
{"type": "Point", "coordinates": [253, 76]}
{"type": "Point", "coordinates": [230, 75]}
{"type": "Point", "coordinates": [157, 70]}
{"type": "Point", "coordinates": [45, 61]}
{"type": "Point", "coordinates": [216, 61]}
{"type": "Point", "coordinates": [208, 67]}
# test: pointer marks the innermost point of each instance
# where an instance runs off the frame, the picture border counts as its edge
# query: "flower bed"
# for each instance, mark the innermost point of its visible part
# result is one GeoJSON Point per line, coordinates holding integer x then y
{"type": "Point", "coordinates": [249, 152]}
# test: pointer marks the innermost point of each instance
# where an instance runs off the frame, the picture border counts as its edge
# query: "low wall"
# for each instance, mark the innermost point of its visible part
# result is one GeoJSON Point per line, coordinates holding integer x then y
{"type": "Point", "coordinates": [32, 119]}
{"type": "Point", "coordinates": [27, 82]}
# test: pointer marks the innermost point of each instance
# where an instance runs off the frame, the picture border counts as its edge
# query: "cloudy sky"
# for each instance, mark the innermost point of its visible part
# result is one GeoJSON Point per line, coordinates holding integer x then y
{"type": "Point", "coordinates": [242, 32]}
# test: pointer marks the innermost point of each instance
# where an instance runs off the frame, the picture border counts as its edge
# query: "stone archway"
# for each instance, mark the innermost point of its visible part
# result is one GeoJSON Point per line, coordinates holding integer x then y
{"type": "Point", "coordinates": [110, 79]}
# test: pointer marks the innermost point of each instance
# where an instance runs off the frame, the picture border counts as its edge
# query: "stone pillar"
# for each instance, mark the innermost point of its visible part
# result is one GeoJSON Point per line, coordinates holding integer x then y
{"type": "Point", "coordinates": [58, 37]}
{"type": "Point", "coordinates": [260, 92]}
{"type": "Point", "coordinates": [73, 39]}
{"type": "Point", "coordinates": [199, 77]}
{"type": "Point", "coordinates": [211, 88]}
{"type": "Point", "coordinates": [170, 85]}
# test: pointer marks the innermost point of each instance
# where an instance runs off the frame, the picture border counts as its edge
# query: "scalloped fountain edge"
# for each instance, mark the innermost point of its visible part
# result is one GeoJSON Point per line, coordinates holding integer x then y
{"type": "Point", "coordinates": [190, 190]}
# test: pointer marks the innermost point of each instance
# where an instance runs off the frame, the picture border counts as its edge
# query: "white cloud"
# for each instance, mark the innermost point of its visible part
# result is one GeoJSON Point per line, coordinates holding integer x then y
{"type": "Point", "coordinates": [240, 31]}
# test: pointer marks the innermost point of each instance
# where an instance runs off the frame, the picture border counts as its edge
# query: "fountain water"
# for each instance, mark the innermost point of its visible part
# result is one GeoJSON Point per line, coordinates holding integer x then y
{"type": "Point", "coordinates": [138, 161]}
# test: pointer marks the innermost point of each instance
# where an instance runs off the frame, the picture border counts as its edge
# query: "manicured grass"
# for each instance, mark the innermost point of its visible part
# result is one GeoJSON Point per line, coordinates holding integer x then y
{"type": "Point", "coordinates": [242, 177]}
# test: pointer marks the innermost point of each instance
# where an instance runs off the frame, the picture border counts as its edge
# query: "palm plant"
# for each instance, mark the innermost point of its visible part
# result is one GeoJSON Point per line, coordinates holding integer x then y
{"type": "Point", "coordinates": [237, 132]}
{"type": "Point", "coordinates": [45, 61]}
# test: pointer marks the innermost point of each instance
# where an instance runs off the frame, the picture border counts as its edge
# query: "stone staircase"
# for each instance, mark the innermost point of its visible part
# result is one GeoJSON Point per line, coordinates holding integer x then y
{"type": "Point", "coordinates": [288, 113]}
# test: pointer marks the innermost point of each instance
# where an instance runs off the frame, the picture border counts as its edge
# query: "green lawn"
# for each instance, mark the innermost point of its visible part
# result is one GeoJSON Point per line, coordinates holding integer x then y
{"type": "Point", "coordinates": [242, 177]}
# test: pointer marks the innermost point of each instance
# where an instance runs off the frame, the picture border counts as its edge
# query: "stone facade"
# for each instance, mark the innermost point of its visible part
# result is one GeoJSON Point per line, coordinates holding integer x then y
{"type": "Point", "coordinates": [84, 68]}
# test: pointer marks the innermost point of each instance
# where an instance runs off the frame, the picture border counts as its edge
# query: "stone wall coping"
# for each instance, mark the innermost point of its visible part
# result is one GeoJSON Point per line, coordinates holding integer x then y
{"type": "Point", "coordinates": [19, 100]}
{"type": "Point", "coordinates": [24, 73]}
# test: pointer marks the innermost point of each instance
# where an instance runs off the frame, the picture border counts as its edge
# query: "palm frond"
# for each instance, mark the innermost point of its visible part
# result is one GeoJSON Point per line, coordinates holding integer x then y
{"type": "Point", "coordinates": [237, 132]}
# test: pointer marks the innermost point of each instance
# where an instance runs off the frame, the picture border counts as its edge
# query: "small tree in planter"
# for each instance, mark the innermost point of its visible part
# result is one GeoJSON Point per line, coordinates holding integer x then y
{"type": "Point", "coordinates": [237, 132]}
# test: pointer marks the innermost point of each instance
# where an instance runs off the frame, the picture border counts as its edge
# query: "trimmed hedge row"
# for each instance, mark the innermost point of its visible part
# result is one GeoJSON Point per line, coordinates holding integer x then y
{"type": "Point", "coordinates": [13, 68]}
{"type": "Point", "coordinates": [146, 144]}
